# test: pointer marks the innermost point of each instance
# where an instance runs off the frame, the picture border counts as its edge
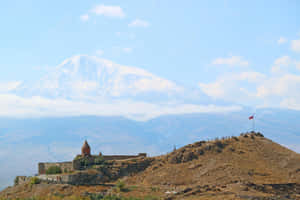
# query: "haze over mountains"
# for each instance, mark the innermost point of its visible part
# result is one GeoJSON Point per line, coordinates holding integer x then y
{"type": "Point", "coordinates": [119, 109]}
{"type": "Point", "coordinates": [87, 85]}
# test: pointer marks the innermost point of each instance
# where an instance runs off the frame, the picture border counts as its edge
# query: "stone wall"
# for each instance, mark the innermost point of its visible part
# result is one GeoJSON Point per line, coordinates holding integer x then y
{"type": "Point", "coordinates": [77, 165]}
{"type": "Point", "coordinates": [65, 166]}
{"type": "Point", "coordinates": [82, 163]}
{"type": "Point", "coordinates": [123, 157]}
{"type": "Point", "coordinates": [108, 172]}
{"type": "Point", "coordinates": [78, 178]}
{"type": "Point", "coordinates": [53, 178]}
{"type": "Point", "coordinates": [83, 178]}
{"type": "Point", "coordinates": [19, 180]}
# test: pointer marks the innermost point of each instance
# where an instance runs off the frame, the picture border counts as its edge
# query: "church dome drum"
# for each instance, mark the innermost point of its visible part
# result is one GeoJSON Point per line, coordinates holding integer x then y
{"type": "Point", "coordinates": [86, 150]}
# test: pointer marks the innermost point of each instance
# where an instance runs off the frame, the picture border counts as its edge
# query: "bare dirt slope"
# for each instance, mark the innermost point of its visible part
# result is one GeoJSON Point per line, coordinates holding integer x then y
{"type": "Point", "coordinates": [249, 164]}
{"type": "Point", "coordinates": [245, 167]}
{"type": "Point", "coordinates": [247, 158]}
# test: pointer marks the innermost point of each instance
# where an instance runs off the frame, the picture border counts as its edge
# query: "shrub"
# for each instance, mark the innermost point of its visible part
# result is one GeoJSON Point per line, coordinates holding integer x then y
{"type": "Point", "coordinates": [220, 144]}
{"type": "Point", "coordinates": [99, 160]}
{"type": "Point", "coordinates": [54, 170]}
{"type": "Point", "coordinates": [34, 181]}
{"type": "Point", "coordinates": [84, 162]}
{"type": "Point", "coordinates": [113, 197]}
{"type": "Point", "coordinates": [151, 198]}
{"type": "Point", "coordinates": [154, 189]}
{"type": "Point", "coordinates": [96, 196]}
{"type": "Point", "coordinates": [259, 134]}
{"type": "Point", "coordinates": [121, 186]}
{"type": "Point", "coordinates": [16, 181]}
{"type": "Point", "coordinates": [78, 157]}
{"type": "Point", "coordinates": [66, 170]}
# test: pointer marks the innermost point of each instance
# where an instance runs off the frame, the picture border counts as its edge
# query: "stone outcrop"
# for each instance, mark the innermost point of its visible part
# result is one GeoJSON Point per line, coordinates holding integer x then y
{"type": "Point", "coordinates": [20, 180]}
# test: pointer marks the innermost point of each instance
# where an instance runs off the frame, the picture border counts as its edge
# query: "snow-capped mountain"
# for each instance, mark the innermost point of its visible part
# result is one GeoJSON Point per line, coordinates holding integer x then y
{"type": "Point", "coordinates": [90, 77]}
{"type": "Point", "coordinates": [88, 85]}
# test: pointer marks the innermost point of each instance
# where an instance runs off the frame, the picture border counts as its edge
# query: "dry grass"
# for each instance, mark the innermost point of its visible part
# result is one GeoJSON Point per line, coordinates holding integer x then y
{"type": "Point", "coordinates": [226, 168]}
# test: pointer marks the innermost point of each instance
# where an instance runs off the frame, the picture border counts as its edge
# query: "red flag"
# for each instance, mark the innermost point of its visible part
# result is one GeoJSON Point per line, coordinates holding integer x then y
{"type": "Point", "coordinates": [251, 117]}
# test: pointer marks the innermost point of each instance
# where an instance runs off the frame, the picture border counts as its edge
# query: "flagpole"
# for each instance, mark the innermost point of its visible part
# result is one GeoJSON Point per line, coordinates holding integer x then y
{"type": "Point", "coordinates": [253, 122]}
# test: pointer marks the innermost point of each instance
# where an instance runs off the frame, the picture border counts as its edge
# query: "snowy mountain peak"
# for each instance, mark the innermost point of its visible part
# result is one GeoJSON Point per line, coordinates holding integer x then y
{"type": "Point", "coordinates": [83, 76]}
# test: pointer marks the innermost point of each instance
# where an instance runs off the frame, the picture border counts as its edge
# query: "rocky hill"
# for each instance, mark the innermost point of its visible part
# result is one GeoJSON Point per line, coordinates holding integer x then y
{"type": "Point", "coordinates": [246, 167]}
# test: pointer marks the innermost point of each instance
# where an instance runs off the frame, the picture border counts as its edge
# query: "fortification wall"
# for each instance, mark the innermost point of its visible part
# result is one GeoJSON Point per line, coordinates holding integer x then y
{"type": "Point", "coordinates": [123, 157]}
{"type": "Point", "coordinates": [77, 165]}
{"type": "Point", "coordinates": [65, 166]}
{"type": "Point", "coordinates": [80, 178]}
{"type": "Point", "coordinates": [111, 171]}
{"type": "Point", "coordinates": [19, 180]}
{"type": "Point", "coordinates": [82, 163]}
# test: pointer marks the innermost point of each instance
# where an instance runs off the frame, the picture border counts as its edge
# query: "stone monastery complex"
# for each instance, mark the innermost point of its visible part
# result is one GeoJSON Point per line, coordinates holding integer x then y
{"type": "Point", "coordinates": [84, 160]}
{"type": "Point", "coordinates": [88, 169]}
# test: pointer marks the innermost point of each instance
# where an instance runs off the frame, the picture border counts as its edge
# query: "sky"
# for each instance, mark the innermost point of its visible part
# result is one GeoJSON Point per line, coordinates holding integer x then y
{"type": "Point", "coordinates": [242, 52]}
{"type": "Point", "coordinates": [142, 59]}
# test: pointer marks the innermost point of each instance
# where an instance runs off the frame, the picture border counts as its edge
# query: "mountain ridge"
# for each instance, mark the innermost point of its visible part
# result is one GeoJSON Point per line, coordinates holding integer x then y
{"type": "Point", "coordinates": [84, 75]}
{"type": "Point", "coordinates": [56, 138]}
{"type": "Point", "coordinates": [248, 166]}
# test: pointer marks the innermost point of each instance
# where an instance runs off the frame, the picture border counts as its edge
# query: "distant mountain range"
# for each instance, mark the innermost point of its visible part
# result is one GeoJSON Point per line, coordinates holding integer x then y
{"type": "Point", "coordinates": [249, 166]}
{"type": "Point", "coordinates": [119, 109]}
{"type": "Point", "coordinates": [88, 85]}
{"type": "Point", "coordinates": [93, 78]}
{"type": "Point", "coordinates": [25, 142]}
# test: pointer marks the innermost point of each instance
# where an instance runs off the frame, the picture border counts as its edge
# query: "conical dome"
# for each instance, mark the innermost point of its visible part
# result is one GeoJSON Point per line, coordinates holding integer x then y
{"type": "Point", "coordinates": [85, 150]}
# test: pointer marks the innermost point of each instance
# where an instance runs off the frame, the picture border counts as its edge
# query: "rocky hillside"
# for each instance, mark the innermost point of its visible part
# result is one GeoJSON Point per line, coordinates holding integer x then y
{"type": "Point", "coordinates": [246, 167]}
{"type": "Point", "coordinates": [249, 164]}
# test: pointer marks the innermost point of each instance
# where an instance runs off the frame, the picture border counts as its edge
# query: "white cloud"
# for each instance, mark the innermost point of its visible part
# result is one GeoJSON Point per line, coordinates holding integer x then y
{"type": "Point", "coordinates": [9, 86]}
{"type": "Point", "coordinates": [295, 45]}
{"type": "Point", "coordinates": [285, 86]}
{"type": "Point", "coordinates": [154, 84]}
{"type": "Point", "coordinates": [91, 77]}
{"type": "Point", "coordinates": [277, 89]}
{"type": "Point", "coordinates": [139, 23]}
{"type": "Point", "coordinates": [284, 64]}
{"type": "Point", "coordinates": [84, 86]}
{"type": "Point", "coordinates": [282, 40]}
{"type": "Point", "coordinates": [108, 11]}
{"type": "Point", "coordinates": [13, 105]}
{"type": "Point", "coordinates": [256, 89]}
{"type": "Point", "coordinates": [281, 64]}
{"type": "Point", "coordinates": [88, 85]}
{"type": "Point", "coordinates": [281, 91]}
{"type": "Point", "coordinates": [84, 17]}
{"type": "Point", "coordinates": [284, 60]}
{"type": "Point", "coordinates": [236, 87]}
{"type": "Point", "coordinates": [127, 50]}
{"type": "Point", "coordinates": [231, 61]}
{"type": "Point", "coordinates": [99, 52]}
{"type": "Point", "coordinates": [297, 63]}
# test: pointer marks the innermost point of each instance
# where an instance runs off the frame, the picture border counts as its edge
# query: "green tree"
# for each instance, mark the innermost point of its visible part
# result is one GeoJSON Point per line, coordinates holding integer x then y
{"type": "Point", "coordinates": [54, 170]}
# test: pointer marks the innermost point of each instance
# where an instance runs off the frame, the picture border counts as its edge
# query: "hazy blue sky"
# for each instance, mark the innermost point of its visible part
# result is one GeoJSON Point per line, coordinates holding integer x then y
{"type": "Point", "coordinates": [247, 52]}
{"type": "Point", "coordinates": [179, 42]}
{"type": "Point", "coordinates": [60, 58]}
